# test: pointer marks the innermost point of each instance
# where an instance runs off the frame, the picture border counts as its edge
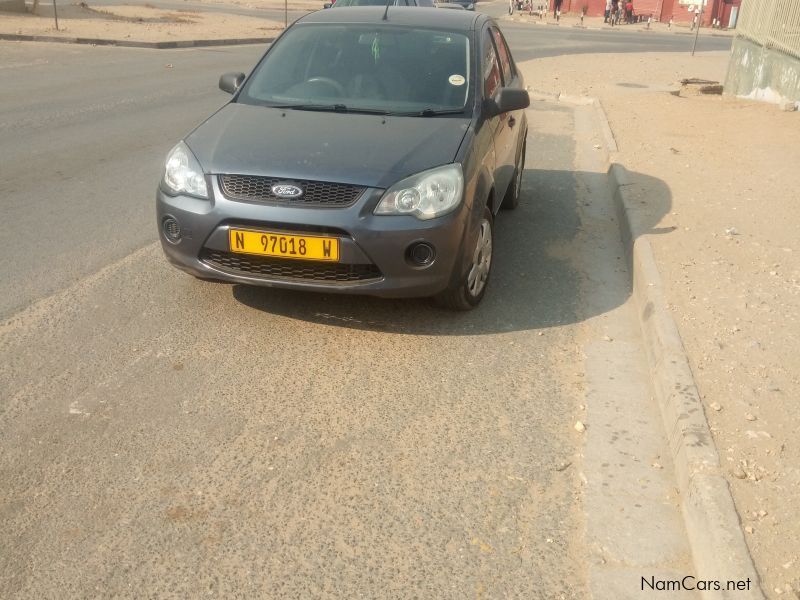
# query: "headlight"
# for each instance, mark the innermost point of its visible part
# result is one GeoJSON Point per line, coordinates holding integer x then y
{"type": "Point", "coordinates": [183, 173]}
{"type": "Point", "coordinates": [425, 195]}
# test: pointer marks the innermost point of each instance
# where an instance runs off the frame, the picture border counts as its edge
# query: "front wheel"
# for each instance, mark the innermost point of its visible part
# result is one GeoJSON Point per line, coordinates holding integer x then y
{"type": "Point", "coordinates": [468, 291]}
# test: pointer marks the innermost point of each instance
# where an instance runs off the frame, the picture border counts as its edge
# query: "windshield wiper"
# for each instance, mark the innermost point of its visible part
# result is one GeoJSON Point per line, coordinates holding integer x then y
{"type": "Point", "coordinates": [342, 108]}
{"type": "Point", "coordinates": [430, 112]}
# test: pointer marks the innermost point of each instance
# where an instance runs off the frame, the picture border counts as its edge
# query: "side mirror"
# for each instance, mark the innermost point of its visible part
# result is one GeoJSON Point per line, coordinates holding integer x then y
{"type": "Point", "coordinates": [230, 82]}
{"type": "Point", "coordinates": [506, 100]}
{"type": "Point", "coordinates": [327, 5]}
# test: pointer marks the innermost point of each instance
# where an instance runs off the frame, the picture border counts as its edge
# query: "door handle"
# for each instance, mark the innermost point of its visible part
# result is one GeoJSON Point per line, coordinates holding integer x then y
{"type": "Point", "coordinates": [511, 121]}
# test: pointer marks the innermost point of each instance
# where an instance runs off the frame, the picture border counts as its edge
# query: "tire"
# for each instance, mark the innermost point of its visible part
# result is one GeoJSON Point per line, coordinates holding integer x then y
{"type": "Point", "coordinates": [468, 291]}
{"type": "Point", "coordinates": [511, 199]}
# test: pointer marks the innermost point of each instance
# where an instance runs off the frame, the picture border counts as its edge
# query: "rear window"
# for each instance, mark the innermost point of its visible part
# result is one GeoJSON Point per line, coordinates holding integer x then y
{"type": "Point", "coordinates": [364, 66]}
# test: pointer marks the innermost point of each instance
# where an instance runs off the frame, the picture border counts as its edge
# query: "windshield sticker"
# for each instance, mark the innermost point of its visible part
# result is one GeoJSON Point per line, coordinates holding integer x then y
{"type": "Point", "coordinates": [456, 80]}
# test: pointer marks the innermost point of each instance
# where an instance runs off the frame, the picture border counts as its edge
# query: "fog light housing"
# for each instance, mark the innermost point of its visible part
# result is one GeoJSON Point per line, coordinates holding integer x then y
{"type": "Point", "coordinates": [420, 254]}
{"type": "Point", "coordinates": [171, 229]}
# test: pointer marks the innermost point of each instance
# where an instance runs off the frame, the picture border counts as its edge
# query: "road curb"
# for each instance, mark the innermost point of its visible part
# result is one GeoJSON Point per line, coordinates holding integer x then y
{"type": "Point", "coordinates": [14, 37]}
{"type": "Point", "coordinates": [713, 527]}
{"type": "Point", "coordinates": [712, 524]}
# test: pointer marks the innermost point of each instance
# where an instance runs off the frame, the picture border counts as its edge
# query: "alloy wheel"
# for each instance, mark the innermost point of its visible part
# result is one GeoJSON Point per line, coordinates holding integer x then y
{"type": "Point", "coordinates": [481, 260]}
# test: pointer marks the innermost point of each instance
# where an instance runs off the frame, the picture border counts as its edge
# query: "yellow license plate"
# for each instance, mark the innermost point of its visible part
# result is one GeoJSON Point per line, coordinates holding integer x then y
{"type": "Point", "coordinates": [270, 243]}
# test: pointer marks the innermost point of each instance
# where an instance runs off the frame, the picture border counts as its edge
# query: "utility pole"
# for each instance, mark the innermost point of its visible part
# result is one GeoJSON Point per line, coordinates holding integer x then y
{"type": "Point", "coordinates": [699, 17]}
{"type": "Point", "coordinates": [285, 13]}
{"type": "Point", "coordinates": [55, 13]}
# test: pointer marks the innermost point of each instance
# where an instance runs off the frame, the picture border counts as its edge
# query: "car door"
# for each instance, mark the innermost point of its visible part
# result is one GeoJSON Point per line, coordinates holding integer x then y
{"type": "Point", "coordinates": [507, 135]}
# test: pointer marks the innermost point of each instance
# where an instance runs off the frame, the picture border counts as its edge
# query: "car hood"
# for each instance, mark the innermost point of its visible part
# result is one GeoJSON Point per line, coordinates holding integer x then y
{"type": "Point", "coordinates": [368, 150]}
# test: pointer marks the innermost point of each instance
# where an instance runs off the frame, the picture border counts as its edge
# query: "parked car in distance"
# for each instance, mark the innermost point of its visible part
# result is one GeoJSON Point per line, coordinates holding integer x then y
{"type": "Point", "coordinates": [362, 155]}
{"type": "Point", "coordinates": [351, 3]}
{"type": "Point", "coordinates": [466, 4]}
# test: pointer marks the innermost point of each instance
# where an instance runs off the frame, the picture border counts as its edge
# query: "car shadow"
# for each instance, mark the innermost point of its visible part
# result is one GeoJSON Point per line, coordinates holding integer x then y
{"type": "Point", "coordinates": [536, 276]}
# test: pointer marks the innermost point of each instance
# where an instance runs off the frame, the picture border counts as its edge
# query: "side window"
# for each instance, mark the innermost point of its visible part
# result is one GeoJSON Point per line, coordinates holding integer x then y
{"type": "Point", "coordinates": [505, 56]}
{"type": "Point", "coordinates": [491, 68]}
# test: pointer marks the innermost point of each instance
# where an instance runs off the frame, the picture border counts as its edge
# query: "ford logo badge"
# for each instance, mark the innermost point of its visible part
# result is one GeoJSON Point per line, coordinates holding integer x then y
{"type": "Point", "coordinates": [286, 190]}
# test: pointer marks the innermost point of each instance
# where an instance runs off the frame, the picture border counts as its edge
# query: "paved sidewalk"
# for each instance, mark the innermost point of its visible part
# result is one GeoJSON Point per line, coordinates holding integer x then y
{"type": "Point", "coordinates": [727, 247]}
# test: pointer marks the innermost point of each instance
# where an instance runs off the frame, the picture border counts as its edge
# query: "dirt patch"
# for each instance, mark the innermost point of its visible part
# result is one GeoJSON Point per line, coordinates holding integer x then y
{"type": "Point", "coordinates": [291, 5]}
{"type": "Point", "coordinates": [137, 14]}
{"type": "Point", "coordinates": [729, 255]}
{"type": "Point", "coordinates": [139, 23]}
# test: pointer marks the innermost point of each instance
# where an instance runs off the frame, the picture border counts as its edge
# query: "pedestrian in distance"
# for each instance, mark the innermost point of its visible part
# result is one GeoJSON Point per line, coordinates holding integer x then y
{"type": "Point", "coordinates": [557, 9]}
{"type": "Point", "coordinates": [696, 18]}
{"type": "Point", "coordinates": [608, 11]}
{"type": "Point", "coordinates": [629, 12]}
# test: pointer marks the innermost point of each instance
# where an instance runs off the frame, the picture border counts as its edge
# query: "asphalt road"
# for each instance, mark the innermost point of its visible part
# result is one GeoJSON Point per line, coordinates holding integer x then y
{"type": "Point", "coordinates": [527, 41]}
{"type": "Point", "coordinates": [87, 128]}
{"type": "Point", "coordinates": [83, 133]}
{"type": "Point", "coordinates": [184, 438]}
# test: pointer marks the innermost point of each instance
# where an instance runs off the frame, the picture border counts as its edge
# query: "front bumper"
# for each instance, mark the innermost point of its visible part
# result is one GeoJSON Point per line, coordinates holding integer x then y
{"type": "Point", "coordinates": [373, 247]}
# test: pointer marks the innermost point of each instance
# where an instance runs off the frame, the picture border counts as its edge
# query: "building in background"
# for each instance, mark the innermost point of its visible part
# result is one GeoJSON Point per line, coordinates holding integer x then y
{"type": "Point", "coordinates": [765, 58]}
{"type": "Point", "coordinates": [726, 12]}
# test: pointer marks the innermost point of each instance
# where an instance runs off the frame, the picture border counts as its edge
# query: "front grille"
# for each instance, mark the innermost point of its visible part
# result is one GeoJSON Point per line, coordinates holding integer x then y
{"type": "Point", "coordinates": [290, 269]}
{"type": "Point", "coordinates": [255, 188]}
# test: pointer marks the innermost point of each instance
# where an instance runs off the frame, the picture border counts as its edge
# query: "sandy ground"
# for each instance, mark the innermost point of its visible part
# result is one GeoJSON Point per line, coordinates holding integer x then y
{"type": "Point", "coordinates": [728, 252]}
{"type": "Point", "coordinates": [309, 5]}
{"type": "Point", "coordinates": [139, 23]}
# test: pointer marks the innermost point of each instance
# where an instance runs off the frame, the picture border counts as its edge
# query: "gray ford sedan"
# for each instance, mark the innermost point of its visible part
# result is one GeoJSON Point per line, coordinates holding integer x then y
{"type": "Point", "coordinates": [368, 152]}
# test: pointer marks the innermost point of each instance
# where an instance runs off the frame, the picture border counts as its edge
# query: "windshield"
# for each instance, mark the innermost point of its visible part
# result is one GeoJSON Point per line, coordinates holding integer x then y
{"type": "Point", "coordinates": [364, 67]}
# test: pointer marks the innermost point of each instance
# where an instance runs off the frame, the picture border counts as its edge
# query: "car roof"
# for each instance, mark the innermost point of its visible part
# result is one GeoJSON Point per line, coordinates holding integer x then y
{"type": "Point", "coordinates": [410, 16]}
